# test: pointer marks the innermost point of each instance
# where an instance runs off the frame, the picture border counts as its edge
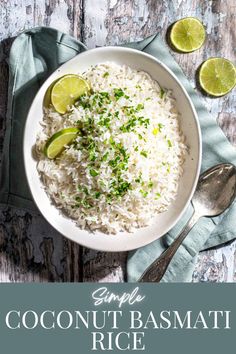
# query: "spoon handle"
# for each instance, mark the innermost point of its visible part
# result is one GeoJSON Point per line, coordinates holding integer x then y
{"type": "Point", "coordinates": [157, 269]}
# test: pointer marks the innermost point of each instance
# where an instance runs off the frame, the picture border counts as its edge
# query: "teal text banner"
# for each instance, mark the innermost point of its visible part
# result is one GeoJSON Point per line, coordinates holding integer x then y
{"type": "Point", "coordinates": [87, 318]}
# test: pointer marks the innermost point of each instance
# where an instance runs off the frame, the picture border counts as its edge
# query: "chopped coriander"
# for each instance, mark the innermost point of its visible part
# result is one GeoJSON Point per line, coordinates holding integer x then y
{"type": "Point", "coordinates": [112, 141]}
{"type": "Point", "coordinates": [129, 110]}
{"type": "Point", "coordinates": [144, 193]}
{"type": "Point", "coordinates": [137, 180]}
{"type": "Point", "coordinates": [109, 198]}
{"type": "Point", "coordinates": [169, 143]}
{"type": "Point", "coordinates": [139, 107]}
{"type": "Point", "coordinates": [82, 202]}
{"type": "Point", "coordinates": [130, 125]}
{"type": "Point", "coordinates": [144, 153]}
{"type": "Point", "coordinates": [114, 163]}
{"type": "Point", "coordinates": [85, 204]}
{"type": "Point", "coordinates": [103, 110]}
{"type": "Point", "coordinates": [102, 184]}
{"type": "Point", "coordinates": [136, 148]}
{"type": "Point", "coordinates": [162, 93]}
{"type": "Point", "coordinates": [118, 188]}
{"type": "Point", "coordinates": [160, 126]}
{"type": "Point", "coordinates": [93, 172]}
{"type": "Point", "coordinates": [144, 121]}
{"type": "Point", "coordinates": [113, 182]}
{"type": "Point", "coordinates": [157, 196]}
{"type": "Point", "coordinates": [118, 93]}
{"type": "Point", "coordinates": [150, 184]}
{"type": "Point", "coordinates": [122, 166]}
{"type": "Point", "coordinates": [104, 94]}
{"type": "Point", "coordinates": [138, 86]}
{"type": "Point", "coordinates": [148, 98]}
{"type": "Point", "coordinates": [140, 136]}
{"type": "Point", "coordinates": [97, 195]}
{"type": "Point", "coordinates": [123, 187]}
{"type": "Point", "coordinates": [92, 156]}
{"type": "Point", "coordinates": [105, 74]}
{"type": "Point", "coordinates": [105, 122]}
{"type": "Point", "coordinates": [105, 156]}
{"type": "Point", "coordinates": [85, 190]}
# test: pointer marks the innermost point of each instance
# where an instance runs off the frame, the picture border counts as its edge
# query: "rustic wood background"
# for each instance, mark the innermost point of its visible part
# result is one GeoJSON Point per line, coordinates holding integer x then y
{"type": "Point", "coordinates": [30, 250]}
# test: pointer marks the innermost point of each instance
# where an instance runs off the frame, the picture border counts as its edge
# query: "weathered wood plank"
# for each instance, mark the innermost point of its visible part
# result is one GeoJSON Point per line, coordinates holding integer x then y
{"type": "Point", "coordinates": [104, 267]}
{"type": "Point", "coordinates": [217, 265]}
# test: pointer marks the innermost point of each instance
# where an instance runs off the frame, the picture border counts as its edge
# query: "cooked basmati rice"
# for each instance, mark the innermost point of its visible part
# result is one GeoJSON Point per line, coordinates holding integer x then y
{"type": "Point", "coordinates": [124, 167]}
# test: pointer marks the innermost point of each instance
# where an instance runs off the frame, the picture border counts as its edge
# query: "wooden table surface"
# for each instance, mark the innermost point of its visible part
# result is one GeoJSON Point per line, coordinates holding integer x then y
{"type": "Point", "coordinates": [30, 250]}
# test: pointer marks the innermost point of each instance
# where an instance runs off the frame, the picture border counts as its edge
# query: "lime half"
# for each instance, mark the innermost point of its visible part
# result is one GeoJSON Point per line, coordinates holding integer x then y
{"type": "Point", "coordinates": [217, 76]}
{"type": "Point", "coordinates": [187, 34]}
{"type": "Point", "coordinates": [58, 141]}
{"type": "Point", "coordinates": [67, 90]}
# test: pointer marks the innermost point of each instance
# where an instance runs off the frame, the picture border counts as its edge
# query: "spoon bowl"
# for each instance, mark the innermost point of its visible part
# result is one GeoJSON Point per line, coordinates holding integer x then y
{"type": "Point", "coordinates": [215, 191]}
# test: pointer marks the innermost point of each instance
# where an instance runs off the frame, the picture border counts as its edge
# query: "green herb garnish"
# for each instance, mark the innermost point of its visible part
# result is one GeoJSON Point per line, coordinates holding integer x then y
{"type": "Point", "coordinates": [140, 136]}
{"type": "Point", "coordinates": [93, 172]}
{"type": "Point", "coordinates": [162, 93]}
{"type": "Point", "coordinates": [105, 156]}
{"type": "Point", "coordinates": [139, 107]}
{"type": "Point", "coordinates": [144, 193]}
{"type": "Point", "coordinates": [144, 153]}
{"type": "Point", "coordinates": [118, 93]}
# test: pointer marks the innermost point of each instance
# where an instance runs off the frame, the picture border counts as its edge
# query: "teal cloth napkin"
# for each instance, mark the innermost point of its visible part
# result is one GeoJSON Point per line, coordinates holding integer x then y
{"type": "Point", "coordinates": [34, 55]}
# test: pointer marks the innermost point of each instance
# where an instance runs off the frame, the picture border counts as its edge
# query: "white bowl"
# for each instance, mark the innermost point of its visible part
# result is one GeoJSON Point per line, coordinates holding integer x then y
{"type": "Point", "coordinates": [122, 241]}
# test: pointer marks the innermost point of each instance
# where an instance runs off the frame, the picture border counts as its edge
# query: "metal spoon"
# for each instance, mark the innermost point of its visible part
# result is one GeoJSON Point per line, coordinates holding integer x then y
{"type": "Point", "coordinates": [215, 192]}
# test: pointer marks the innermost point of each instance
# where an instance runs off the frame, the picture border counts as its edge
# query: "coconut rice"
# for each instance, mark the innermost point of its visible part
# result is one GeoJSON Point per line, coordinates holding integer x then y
{"type": "Point", "coordinates": [125, 164]}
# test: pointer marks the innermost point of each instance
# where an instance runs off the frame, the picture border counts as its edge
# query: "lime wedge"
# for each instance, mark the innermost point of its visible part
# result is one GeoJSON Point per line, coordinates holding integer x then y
{"type": "Point", "coordinates": [58, 141]}
{"type": "Point", "coordinates": [187, 34]}
{"type": "Point", "coordinates": [67, 90]}
{"type": "Point", "coordinates": [217, 76]}
{"type": "Point", "coordinates": [47, 97]}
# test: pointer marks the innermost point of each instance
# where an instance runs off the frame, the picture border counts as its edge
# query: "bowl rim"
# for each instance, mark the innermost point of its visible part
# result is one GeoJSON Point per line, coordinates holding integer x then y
{"type": "Point", "coordinates": [199, 145]}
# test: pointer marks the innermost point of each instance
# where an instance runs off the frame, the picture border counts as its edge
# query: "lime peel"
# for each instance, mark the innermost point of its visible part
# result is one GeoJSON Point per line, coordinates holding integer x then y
{"type": "Point", "coordinates": [67, 90]}
{"type": "Point", "coordinates": [58, 141]}
{"type": "Point", "coordinates": [217, 76]}
{"type": "Point", "coordinates": [187, 34]}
